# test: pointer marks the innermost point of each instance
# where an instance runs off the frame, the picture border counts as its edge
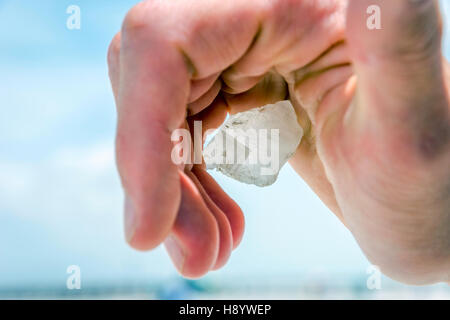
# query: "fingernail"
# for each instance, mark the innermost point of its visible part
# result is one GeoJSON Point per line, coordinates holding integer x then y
{"type": "Point", "coordinates": [176, 252]}
{"type": "Point", "coordinates": [130, 219]}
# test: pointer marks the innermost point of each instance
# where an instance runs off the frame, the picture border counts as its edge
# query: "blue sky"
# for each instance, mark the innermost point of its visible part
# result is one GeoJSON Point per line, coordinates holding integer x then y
{"type": "Point", "coordinates": [60, 197]}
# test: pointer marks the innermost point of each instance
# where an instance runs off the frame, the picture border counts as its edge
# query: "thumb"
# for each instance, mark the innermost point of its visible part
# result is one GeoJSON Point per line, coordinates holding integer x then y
{"type": "Point", "coordinates": [395, 47]}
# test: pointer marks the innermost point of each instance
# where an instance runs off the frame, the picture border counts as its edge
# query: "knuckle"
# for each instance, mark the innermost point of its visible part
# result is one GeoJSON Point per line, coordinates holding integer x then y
{"type": "Point", "coordinates": [140, 16]}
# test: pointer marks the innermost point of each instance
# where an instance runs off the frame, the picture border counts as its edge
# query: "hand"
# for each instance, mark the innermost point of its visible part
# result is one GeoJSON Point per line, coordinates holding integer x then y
{"type": "Point", "coordinates": [380, 140]}
{"type": "Point", "coordinates": [216, 57]}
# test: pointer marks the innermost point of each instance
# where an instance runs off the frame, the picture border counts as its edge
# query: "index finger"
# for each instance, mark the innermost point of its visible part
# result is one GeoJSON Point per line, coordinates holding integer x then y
{"type": "Point", "coordinates": [154, 87]}
{"type": "Point", "coordinates": [155, 72]}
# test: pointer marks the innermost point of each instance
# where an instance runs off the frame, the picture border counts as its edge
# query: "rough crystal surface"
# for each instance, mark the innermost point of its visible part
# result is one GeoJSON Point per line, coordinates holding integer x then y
{"type": "Point", "coordinates": [253, 146]}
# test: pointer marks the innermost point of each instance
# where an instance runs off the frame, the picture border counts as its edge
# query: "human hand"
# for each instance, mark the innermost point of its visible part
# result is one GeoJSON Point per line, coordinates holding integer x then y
{"type": "Point", "coordinates": [379, 142]}
{"type": "Point", "coordinates": [262, 53]}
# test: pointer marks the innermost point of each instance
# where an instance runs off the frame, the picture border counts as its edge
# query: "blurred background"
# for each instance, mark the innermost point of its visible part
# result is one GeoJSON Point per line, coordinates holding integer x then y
{"type": "Point", "coordinates": [61, 200]}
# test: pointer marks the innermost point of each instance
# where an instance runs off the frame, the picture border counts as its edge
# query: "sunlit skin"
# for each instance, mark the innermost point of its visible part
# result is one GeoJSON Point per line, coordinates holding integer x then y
{"type": "Point", "coordinates": [373, 104]}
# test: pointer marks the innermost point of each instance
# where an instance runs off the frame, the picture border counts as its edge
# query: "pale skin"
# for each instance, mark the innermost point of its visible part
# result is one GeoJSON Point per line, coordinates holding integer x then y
{"type": "Point", "coordinates": [374, 105]}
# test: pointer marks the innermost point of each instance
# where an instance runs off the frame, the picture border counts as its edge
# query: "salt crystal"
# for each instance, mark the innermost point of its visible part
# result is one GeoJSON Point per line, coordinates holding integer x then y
{"type": "Point", "coordinates": [253, 146]}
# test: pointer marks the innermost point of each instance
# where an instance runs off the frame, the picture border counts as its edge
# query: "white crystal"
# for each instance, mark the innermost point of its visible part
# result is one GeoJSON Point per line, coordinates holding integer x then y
{"type": "Point", "coordinates": [238, 148]}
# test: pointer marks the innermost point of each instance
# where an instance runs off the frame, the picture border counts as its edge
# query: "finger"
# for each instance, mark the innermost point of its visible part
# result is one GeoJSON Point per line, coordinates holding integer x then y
{"type": "Point", "coordinates": [239, 84]}
{"type": "Point", "coordinates": [308, 85]}
{"type": "Point", "coordinates": [271, 89]}
{"type": "Point", "coordinates": [193, 244]}
{"type": "Point", "coordinates": [232, 211]}
{"type": "Point", "coordinates": [311, 91]}
{"type": "Point", "coordinates": [206, 99]}
{"type": "Point", "coordinates": [201, 86]}
{"type": "Point", "coordinates": [156, 67]}
{"type": "Point", "coordinates": [150, 106]}
{"type": "Point", "coordinates": [335, 56]}
{"type": "Point", "coordinates": [210, 44]}
{"type": "Point", "coordinates": [310, 167]}
{"type": "Point", "coordinates": [212, 117]}
{"type": "Point", "coordinates": [225, 235]}
{"type": "Point", "coordinates": [327, 97]}
{"type": "Point", "coordinates": [308, 161]}
{"type": "Point", "coordinates": [333, 108]}
{"type": "Point", "coordinates": [399, 69]}
{"type": "Point", "coordinates": [291, 35]}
